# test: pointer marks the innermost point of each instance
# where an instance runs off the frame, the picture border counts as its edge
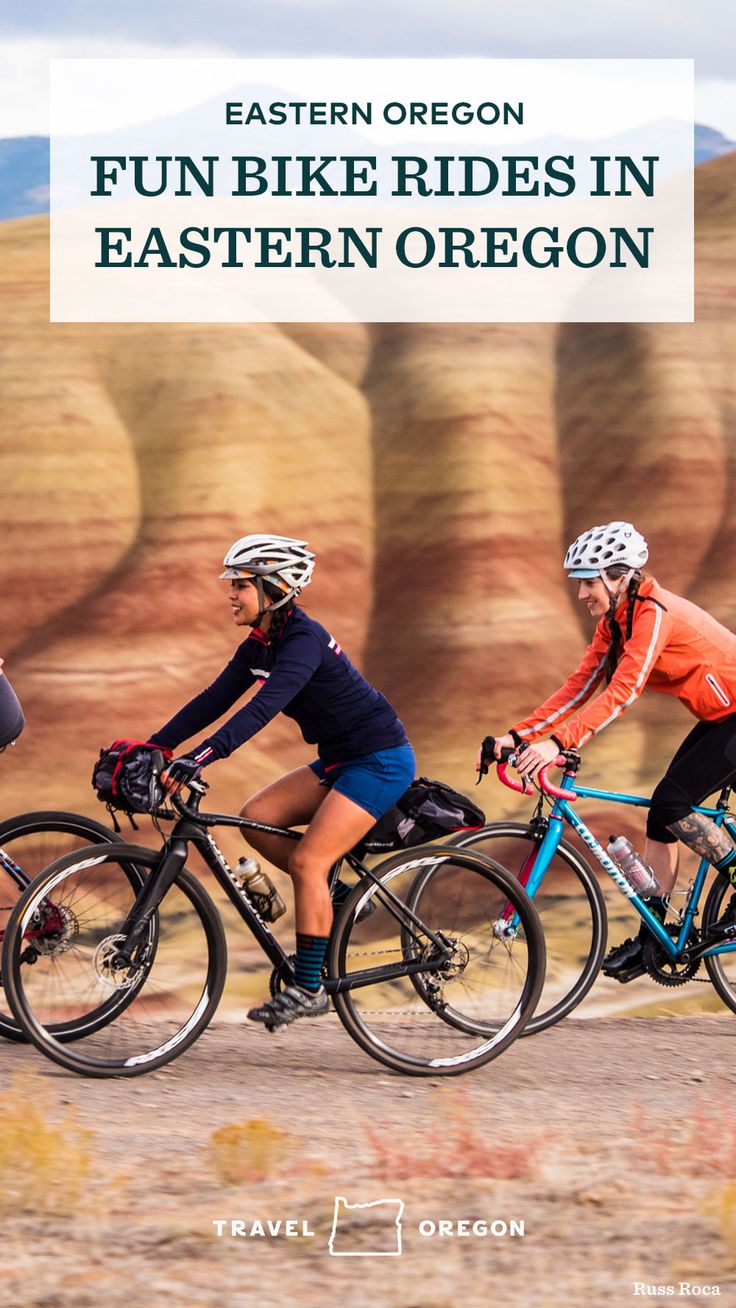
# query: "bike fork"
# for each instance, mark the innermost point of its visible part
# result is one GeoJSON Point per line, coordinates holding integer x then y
{"type": "Point", "coordinates": [149, 897]}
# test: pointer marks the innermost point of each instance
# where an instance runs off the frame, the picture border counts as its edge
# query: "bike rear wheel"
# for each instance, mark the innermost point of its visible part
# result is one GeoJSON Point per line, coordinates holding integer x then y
{"type": "Point", "coordinates": [463, 1011]}
{"type": "Point", "coordinates": [28, 844]}
{"type": "Point", "coordinates": [571, 908]}
{"type": "Point", "coordinates": [157, 1005]}
{"type": "Point", "coordinates": [721, 968]}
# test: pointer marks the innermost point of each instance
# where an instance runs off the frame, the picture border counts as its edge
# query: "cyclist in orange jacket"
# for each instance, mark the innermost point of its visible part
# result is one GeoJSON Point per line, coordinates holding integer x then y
{"type": "Point", "coordinates": [646, 637]}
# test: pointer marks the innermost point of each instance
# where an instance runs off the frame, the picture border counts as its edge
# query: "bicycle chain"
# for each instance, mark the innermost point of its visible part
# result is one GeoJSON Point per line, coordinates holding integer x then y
{"type": "Point", "coordinates": [373, 953]}
{"type": "Point", "coordinates": [420, 1011]}
{"type": "Point", "coordinates": [665, 970]}
{"type": "Point", "coordinates": [673, 927]}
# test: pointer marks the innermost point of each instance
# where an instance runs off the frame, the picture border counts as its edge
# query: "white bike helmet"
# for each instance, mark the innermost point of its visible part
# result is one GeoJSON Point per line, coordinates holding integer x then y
{"type": "Point", "coordinates": [604, 547]}
{"type": "Point", "coordinates": [279, 561]}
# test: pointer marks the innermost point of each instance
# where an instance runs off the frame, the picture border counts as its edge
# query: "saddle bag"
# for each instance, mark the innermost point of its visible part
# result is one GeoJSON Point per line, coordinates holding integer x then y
{"type": "Point", "coordinates": [428, 810]}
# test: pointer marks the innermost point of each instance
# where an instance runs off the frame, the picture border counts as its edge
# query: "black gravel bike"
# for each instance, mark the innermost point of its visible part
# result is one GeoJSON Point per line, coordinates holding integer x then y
{"type": "Point", "coordinates": [430, 983]}
{"type": "Point", "coordinates": [28, 843]}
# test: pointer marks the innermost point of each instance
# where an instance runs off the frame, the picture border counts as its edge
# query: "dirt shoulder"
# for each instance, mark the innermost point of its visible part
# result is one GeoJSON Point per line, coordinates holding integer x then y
{"type": "Point", "coordinates": [613, 1142]}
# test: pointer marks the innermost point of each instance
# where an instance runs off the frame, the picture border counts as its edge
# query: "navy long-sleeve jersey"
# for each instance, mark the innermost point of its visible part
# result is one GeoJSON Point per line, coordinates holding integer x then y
{"type": "Point", "coordinates": [305, 675]}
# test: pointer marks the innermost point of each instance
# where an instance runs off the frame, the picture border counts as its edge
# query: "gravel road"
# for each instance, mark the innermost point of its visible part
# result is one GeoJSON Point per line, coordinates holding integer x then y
{"type": "Point", "coordinates": [613, 1141]}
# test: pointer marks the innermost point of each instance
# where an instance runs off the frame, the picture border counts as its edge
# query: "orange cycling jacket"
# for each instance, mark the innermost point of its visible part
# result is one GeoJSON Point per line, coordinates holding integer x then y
{"type": "Point", "coordinates": [675, 648]}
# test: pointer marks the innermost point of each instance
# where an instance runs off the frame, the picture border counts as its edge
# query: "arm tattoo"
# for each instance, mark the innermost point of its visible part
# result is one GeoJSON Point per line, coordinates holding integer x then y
{"type": "Point", "coordinates": [701, 834]}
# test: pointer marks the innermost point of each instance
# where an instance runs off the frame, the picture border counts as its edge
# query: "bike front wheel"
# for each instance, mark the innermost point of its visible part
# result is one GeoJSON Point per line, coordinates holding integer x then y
{"type": "Point", "coordinates": [429, 983]}
{"type": "Point", "coordinates": [571, 908]}
{"type": "Point", "coordinates": [28, 844]}
{"type": "Point", "coordinates": [147, 1010]}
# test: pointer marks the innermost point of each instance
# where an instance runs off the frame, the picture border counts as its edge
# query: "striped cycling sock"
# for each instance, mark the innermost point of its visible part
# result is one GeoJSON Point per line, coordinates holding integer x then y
{"type": "Point", "coordinates": [310, 955]}
{"type": "Point", "coordinates": [657, 905]}
{"type": "Point", "coordinates": [340, 892]}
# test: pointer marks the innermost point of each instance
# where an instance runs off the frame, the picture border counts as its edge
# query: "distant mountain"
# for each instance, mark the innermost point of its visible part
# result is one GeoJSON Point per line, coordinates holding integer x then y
{"type": "Point", "coordinates": [24, 176]}
{"type": "Point", "coordinates": [24, 169]}
{"type": "Point", "coordinates": [709, 143]}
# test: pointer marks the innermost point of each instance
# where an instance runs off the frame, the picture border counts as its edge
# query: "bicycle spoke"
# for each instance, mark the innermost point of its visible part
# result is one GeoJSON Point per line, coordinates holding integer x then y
{"type": "Point", "coordinates": [28, 844]}
{"type": "Point", "coordinates": [719, 920]}
{"type": "Point", "coordinates": [570, 907]}
{"type": "Point", "coordinates": [154, 1004]}
{"type": "Point", "coordinates": [478, 989]}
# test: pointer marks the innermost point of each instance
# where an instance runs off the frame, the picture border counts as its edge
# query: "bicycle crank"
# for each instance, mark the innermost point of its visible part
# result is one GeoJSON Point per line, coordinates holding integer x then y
{"type": "Point", "coordinates": [663, 969]}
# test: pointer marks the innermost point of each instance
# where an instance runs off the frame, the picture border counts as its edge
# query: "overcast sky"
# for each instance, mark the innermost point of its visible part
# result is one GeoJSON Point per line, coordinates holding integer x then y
{"type": "Point", "coordinates": [32, 31]}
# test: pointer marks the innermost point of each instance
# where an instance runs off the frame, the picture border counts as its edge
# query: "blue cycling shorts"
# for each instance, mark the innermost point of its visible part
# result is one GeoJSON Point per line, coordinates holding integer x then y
{"type": "Point", "coordinates": [373, 781]}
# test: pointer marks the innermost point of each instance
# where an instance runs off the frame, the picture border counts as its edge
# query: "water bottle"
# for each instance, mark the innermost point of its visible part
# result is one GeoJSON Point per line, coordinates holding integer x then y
{"type": "Point", "coordinates": [638, 873]}
{"type": "Point", "coordinates": [260, 889]}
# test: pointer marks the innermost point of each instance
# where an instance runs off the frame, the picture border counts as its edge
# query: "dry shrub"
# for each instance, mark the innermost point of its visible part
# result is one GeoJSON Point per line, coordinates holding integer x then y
{"type": "Point", "coordinates": [705, 1142]}
{"type": "Point", "coordinates": [44, 1163]}
{"type": "Point", "coordinates": [723, 1205]}
{"type": "Point", "coordinates": [454, 1146]}
{"type": "Point", "coordinates": [252, 1150]}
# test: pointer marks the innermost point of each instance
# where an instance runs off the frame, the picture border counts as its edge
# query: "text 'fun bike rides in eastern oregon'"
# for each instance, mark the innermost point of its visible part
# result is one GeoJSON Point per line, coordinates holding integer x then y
{"type": "Point", "coordinates": [646, 638]}
{"type": "Point", "coordinates": [364, 764]}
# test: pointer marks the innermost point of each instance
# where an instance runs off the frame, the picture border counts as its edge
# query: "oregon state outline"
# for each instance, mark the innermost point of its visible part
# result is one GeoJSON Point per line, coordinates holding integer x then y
{"type": "Point", "coordinates": [383, 1224]}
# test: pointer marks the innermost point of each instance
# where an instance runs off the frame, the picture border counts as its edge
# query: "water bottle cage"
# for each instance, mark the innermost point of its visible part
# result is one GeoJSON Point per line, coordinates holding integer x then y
{"type": "Point", "coordinates": [267, 905]}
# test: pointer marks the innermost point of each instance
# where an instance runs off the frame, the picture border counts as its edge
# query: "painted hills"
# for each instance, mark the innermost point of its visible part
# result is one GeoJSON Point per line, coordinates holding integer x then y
{"type": "Point", "coordinates": [438, 472]}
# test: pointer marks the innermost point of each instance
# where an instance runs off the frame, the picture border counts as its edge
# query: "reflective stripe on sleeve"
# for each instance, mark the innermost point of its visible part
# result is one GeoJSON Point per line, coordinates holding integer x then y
{"type": "Point", "coordinates": [645, 669]}
{"type": "Point", "coordinates": [582, 694]}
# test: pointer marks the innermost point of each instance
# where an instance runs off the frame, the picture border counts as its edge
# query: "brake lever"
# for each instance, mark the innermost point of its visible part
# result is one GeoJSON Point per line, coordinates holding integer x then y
{"type": "Point", "coordinates": [488, 757]}
{"type": "Point", "coordinates": [523, 786]}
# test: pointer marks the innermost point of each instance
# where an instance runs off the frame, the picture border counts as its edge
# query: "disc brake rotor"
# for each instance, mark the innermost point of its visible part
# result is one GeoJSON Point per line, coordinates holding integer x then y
{"type": "Point", "coordinates": [116, 975]}
{"type": "Point", "coordinates": [54, 928]}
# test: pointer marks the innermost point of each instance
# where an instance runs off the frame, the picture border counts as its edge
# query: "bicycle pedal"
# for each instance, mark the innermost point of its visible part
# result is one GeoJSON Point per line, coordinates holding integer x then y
{"type": "Point", "coordinates": [630, 975]}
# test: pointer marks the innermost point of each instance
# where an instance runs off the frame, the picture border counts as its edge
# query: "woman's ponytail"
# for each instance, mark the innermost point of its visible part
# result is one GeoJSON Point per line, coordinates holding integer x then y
{"type": "Point", "coordinates": [617, 639]}
{"type": "Point", "coordinates": [279, 616]}
{"type": "Point", "coordinates": [614, 650]}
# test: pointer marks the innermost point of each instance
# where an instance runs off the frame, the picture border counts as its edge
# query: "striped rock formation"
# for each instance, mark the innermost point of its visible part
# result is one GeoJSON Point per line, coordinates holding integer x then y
{"type": "Point", "coordinates": [438, 470]}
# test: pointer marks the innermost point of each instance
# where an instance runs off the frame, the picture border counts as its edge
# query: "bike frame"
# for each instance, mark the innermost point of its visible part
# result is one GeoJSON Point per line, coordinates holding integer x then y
{"type": "Point", "coordinates": [15, 872]}
{"type": "Point", "coordinates": [18, 876]}
{"type": "Point", "coordinates": [189, 830]}
{"type": "Point", "coordinates": [562, 811]}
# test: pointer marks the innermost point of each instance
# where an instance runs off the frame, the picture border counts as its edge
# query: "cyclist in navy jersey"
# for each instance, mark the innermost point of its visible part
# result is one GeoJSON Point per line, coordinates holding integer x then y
{"type": "Point", "coordinates": [12, 721]}
{"type": "Point", "coordinates": [364, 761]}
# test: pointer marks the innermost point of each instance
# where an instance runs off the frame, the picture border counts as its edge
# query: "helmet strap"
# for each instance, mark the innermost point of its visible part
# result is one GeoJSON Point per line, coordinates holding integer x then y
{"type": "Point", "coordinates": [616, 590]}
{"type": "Point", "coordinates": [266, 604]}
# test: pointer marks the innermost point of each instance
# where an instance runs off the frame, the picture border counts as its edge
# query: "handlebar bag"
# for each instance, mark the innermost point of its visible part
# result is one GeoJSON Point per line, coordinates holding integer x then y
{"type": "Point", "coordinates": [125, 776]}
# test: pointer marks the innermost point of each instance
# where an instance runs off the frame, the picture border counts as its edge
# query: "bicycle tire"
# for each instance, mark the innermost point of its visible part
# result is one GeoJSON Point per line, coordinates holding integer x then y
{"type": "Point", "coordinates": [721, 968]}
{"type": "Point", "coordinates": [29, 842]}
{"type": "Point", "coordinates": [589, 928]}
{"type": "Point", "coordinates": [469, 891]}
{"type": "Point", "coordinates": [154, 988]}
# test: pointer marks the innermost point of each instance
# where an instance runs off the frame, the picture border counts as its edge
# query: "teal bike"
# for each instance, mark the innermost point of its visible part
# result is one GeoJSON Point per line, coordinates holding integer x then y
{"type": "Point", "coordinates": [567, 895]}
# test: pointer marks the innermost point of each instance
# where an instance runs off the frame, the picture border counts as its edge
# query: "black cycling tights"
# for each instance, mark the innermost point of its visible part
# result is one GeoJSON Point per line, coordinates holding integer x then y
{"type": "Point", "coordinates": [705, 761]}
{"type": "Point", "coordinates": [12, 721]}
